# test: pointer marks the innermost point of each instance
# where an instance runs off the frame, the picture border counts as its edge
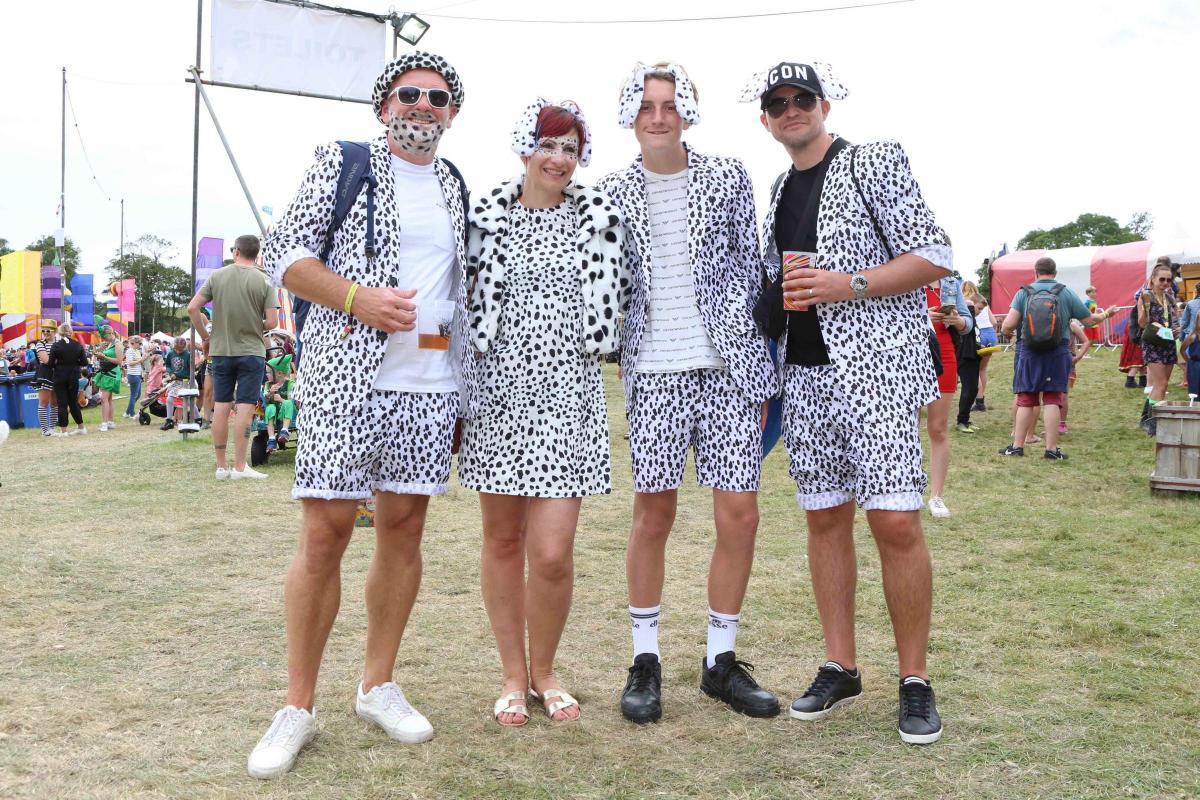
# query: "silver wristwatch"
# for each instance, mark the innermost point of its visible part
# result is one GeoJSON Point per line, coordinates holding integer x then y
{"type": "Point", "coordinates": [858, 284]}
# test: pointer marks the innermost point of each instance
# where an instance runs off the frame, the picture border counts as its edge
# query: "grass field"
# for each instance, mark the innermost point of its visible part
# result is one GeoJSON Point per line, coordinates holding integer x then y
{"type": "Point", "coordinates": [141, 636]}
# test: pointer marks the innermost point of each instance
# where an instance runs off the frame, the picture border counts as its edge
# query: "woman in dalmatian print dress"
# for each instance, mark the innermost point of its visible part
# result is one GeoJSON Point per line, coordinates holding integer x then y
{"type": "Point", "coordinates": [547, 261]}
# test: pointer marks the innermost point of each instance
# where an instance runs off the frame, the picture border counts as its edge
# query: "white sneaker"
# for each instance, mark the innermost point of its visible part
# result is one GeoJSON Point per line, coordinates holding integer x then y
{"type": "Point", "coordinates": [248, 472]}
{"type": "Point", "coordinates": [275, 753]}
{"type": "Point", "coordinates": [78, 432]}
{"type": "Point", "coordinates": [386, 707]}
{"type": "Point", "coordinates": [937, 507]}
{"type": "Point", "coordinates": [223, 473]}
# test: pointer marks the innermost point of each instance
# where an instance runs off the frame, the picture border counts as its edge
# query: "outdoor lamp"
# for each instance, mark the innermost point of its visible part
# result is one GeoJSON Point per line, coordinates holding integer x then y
{"type": "Point", "coordinates": [410, 28]}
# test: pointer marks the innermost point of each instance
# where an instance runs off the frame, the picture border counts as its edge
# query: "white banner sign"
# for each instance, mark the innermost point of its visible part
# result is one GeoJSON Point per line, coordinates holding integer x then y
{"type": "Point", "coordinates": [256, 43]}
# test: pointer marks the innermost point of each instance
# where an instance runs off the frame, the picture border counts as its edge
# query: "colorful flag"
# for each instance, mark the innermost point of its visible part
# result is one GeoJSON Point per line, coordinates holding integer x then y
{"type": "Point", "coordinates": [21, 282]}
{"type": "Point", "coordinates": [210, 257]}
{"type": "Point", "coordinates": [81, 302]}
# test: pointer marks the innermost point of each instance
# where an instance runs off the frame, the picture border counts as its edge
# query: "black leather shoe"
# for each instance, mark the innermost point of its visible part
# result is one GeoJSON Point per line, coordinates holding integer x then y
{"type": "Point", "coordinates": [919, 719]}
{"type": "Point", "coordinates": [641, 701]}
{"type": "Point", "coordinates": [833, 687]}
{"type": "Point", "coordinates": [729, 681]}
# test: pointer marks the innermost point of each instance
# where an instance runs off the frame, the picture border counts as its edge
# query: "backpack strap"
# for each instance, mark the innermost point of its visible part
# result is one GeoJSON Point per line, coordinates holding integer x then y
{"type": "Point", "coordinates": [356, 171]}
{"type": "Point", "coordinates": [1058, 287]}
{"type": "Point", "coordinates": [462, 185]}
{"type": "Point", "coordinates": [870, 211]}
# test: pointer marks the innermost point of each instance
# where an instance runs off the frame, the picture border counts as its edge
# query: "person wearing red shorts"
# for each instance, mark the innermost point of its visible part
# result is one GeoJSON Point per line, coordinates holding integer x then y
{"type": "Point", "coordinates": [947, 309]}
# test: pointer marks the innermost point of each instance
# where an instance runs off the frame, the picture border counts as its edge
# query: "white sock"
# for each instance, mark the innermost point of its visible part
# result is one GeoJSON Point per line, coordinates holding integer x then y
{"type": "Point", "coordinates": [644, 622]}
{"type": "Point", "coordinates": [722, 634]}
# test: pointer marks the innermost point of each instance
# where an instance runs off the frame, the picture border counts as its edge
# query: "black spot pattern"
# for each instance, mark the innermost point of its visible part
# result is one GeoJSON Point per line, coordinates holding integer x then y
{"type": "Point", "coordinates": [541, 429]}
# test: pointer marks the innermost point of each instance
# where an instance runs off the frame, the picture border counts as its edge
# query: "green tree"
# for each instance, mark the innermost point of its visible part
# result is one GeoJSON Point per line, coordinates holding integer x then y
{"type": "Point", "coordinates": [4, 248]}
{"type": "Point", "coordinates": [1088, 229]}
{"type": "Point", "coordinates": [983, 279]}
{"type": "Point", "coordinates": [70, 255]}
{"type": "Point", "coordinates": [162, 288]}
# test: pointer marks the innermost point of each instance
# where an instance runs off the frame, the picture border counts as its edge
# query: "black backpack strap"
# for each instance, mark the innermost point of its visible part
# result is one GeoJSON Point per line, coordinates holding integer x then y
{"type": "Point", "coordinates": [1058, 287]}
{"type": "Point", "coordinates": [462, 185]}
{"type": "Point", "coordinates": [356, 171]}
{"type": "Point", "coordinates": [870, 211]}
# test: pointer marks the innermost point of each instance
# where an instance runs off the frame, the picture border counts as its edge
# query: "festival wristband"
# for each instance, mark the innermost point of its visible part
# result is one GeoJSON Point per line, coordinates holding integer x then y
{"type": "Point", "coordinates": [350, 297]}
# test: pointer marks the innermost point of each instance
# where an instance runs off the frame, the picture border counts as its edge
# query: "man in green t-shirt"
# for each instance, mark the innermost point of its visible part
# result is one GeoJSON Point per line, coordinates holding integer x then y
{"type": "Point", "coordinates": [245, 305]}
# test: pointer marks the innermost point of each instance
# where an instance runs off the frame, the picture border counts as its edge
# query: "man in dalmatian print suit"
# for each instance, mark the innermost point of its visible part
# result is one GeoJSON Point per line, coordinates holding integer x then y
{"type": "Point", "coordinates": [856, 371]}
{"type": "Point", "coordinates": [696, 373]}
{"type": "Point", "coordinates": [379, 404]}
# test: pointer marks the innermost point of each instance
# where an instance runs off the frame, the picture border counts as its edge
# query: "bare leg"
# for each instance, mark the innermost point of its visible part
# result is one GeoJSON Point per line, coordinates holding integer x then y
{"type": "Point", "coordinates": [220, 435]}
{"type": "Point", "coordinates": [549, 544]}
{"type": "Point", "coordinates": [907, 584]}
{"type": "Point", "coordinates": [106, 406]}
{"type": "Point", "coordinates": [983, 365]}
{"type": "Point", "coordinates": [313, 592]}
{"type": "Point", "coordinates": [1023, 425]}
{"type": "Point", "coordinates": [502, 581]}
{"type": "Point", "coordinates": [1051, 418]}
{"type": "Point", "coordinates": [834, 571]}
{"type": "Point", "coordinates": [244, 413]}
{"type": "Point", "coordinates": [1159, 379]}
{"type": "Point", "coordinates": [938, 422]}
{"type": "Point", "coordinates": [653, 518]}
{"type": "Point", "coordinates": [736, 515]}
{"type": "Point", "coordinates": [392, 581]}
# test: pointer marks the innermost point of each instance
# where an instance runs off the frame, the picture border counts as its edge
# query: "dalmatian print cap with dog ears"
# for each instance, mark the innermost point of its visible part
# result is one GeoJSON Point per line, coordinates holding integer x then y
{"type": "Point", "coordinates": [814, 76]}
{"type": "Point", "coordinates": [417, 59]}
{"type": "Point", "coordinates": [635, 86]}
{"type": "Point", "coordinates": [525, 134]}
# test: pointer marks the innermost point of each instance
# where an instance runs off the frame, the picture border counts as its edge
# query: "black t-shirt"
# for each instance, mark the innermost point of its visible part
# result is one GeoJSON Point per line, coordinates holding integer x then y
{"type": "Point", "coordinates": [796, 229]}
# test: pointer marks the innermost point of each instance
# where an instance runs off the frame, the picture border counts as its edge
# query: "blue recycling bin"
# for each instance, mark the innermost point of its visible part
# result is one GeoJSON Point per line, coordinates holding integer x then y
{"type": "Point", "coordinates": [9, 410]}
{"type": "Point", "coordinates": [27, 399]}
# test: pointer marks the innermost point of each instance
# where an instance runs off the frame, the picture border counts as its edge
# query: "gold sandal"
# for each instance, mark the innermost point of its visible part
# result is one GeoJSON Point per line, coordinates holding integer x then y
{"type": "Point", "coordinates": [554, 701]}
{"type": "Point", "coordinates": [511, 703]}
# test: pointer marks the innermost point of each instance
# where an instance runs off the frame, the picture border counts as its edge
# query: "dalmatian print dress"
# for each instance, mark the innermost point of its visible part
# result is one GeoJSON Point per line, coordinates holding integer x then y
{"type": "Point", "coordinates": [541, 429]}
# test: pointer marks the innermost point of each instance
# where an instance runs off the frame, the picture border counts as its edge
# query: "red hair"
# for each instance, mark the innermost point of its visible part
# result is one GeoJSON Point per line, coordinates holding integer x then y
{"type": "Point", "coordinates": [558, 121]}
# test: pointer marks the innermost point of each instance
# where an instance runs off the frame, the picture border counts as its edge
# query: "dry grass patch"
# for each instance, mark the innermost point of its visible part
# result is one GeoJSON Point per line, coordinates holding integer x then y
{"type": "Point", "coordinates": [141, 620]}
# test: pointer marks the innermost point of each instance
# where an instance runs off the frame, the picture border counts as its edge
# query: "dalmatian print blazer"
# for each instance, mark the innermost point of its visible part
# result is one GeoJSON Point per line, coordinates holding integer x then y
{"type": "Point", "coordinates": [723, 244]}
{"type": "Point", "coordinates": [603, 279]}
{"type": "Point", "coordinates": [879, 345]}
{"type": "Point", "coordinates": [336, 375]}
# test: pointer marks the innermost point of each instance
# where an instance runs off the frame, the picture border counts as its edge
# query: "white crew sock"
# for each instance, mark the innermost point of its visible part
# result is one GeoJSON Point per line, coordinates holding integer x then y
{"type": "Point", "coordinates": [722, 634]}
{"type": "Point", "coordinates": [644, 622]}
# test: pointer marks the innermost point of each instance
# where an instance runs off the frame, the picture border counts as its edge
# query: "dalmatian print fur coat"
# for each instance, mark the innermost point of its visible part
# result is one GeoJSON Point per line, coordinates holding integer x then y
{"type": "Point", "coordinates": [723, 244]}
{"type": "Point", "coordinates": [879, 345]}
{"type": "Point", "coordinates": [336, 375]}
{"type": "Point", "coordinates": [603, 278]}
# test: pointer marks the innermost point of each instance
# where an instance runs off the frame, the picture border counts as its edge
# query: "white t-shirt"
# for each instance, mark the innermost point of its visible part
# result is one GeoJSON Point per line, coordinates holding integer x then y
{"type": "Point", "coordinates": [983, 318]}
{"type": "Point", "coordinates": [133, 361]}
{"type": "Point", "coordinates": [674, 339]}
{"type": "Point", "coordinates": [429, 264]}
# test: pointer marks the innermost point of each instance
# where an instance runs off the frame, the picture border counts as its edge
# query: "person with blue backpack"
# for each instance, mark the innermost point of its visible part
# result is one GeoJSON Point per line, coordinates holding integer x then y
{"type": "Point", "coordinates": [1040, 316]}
{"type": "Point", "coordinates": [1189, 328]}
{"type": "Point", "coordinates": [374, 244]}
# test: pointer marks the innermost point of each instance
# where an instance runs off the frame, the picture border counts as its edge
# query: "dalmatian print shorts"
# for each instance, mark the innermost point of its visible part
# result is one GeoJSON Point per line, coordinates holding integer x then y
{"type": "Point", "coordinates": [701, 409]}
{"type": "Point", "coordinates": [399, 443]}
{"type": "Point", "coordinates": [838, 456]}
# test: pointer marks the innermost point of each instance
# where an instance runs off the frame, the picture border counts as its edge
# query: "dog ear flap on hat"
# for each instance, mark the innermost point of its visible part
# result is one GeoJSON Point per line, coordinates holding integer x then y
{"type": "Point", "coordinates": [831, 87]}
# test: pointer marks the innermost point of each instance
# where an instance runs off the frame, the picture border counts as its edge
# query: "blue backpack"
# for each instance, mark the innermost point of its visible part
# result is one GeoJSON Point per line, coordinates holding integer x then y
{"type": "Point", "coordinates": [356, 172]}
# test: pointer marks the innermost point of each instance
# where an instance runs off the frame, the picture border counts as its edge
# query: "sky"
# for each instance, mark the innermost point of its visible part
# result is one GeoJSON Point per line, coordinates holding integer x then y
{"type": "Point", "coordinates": [1015, 115]}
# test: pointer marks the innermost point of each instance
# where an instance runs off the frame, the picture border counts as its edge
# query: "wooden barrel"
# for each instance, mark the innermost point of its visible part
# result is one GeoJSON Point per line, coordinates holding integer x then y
{"type": "Point", "coordinates": [1177, 453]}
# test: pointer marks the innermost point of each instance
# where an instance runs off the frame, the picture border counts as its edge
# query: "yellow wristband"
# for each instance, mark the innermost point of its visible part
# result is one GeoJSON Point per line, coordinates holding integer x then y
{"type": "Point", "coordinates": [350, 297]}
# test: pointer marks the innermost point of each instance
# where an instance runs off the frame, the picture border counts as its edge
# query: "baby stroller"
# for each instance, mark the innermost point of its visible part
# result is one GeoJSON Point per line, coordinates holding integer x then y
{"type": "Point", "coordinates": [154, 405]}
{"type": "Point", "coordinates": [278, 369]}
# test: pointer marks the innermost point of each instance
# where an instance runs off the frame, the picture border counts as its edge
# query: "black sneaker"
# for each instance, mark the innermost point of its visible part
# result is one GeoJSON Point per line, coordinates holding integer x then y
{"type": "Point", "coordinates": [1130, 383]}
{"type": "Point", "coordinates": [979, 405]}
{"type": "Point", "coordinates": [729, 681]}
{"type": "Point", "coordinates": [834, 687]}
{"type": "Point", "coordinates": [1012, 451]}
{"type": "Point", "coordinates": [1055, 455]}
{"type": "Point", "coordinates": [642, 699]}
{"type": "Point", "coordinates": [919, 720]}
{"type": "Point", "coordinates": [166, 426]}
{"type": "Point", "coordinates": [1141, 381]}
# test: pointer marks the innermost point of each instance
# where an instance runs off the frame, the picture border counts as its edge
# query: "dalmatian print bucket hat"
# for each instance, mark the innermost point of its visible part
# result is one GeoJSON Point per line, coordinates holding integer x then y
{"type": "Point", "coordinates": [817, 77]}
{"type": "Point", "coordinates": [525, 134]}
{"type": "Point", "coordinates": [635, 87]}
{"type": "Point", "coordinates": [417, 59]}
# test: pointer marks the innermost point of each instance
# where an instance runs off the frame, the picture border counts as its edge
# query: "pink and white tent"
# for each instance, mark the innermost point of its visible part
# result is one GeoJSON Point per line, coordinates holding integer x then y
{"type": "Point", "coordinates": [1117, 271]}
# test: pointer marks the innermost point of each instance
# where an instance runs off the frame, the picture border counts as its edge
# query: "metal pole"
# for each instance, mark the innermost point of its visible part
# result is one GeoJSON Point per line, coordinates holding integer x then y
{"type": "Point", "coordinates": [122, 245]}
{"type": "Point", "coordinates": [62, 185]}
{"type": "Point", "coordinates": [195, 179]}
{"type": "Point", "coordinates": [229, 152]}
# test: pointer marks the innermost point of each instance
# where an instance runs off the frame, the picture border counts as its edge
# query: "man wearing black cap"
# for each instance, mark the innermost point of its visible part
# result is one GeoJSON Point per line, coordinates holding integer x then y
{"type": "Point", "coordinates": [848, 243]}
{"type": "Point", "coordinates": [378, 408]}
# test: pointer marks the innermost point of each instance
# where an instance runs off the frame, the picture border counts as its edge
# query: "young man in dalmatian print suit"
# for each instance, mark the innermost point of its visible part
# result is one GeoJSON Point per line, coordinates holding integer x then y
{"type": "Point", "coordinates": [696, 374]}
{"type": "Point", "coordinates": [856, 371]}
{"type": "Point", "coordinates": [379, 407]}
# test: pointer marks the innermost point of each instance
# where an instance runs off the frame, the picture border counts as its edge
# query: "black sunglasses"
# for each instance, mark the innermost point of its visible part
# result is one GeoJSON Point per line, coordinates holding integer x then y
{"type": "Point", "coordinates": [411, 95]}
{"type": "Point", "coordinates": [776, 107]}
